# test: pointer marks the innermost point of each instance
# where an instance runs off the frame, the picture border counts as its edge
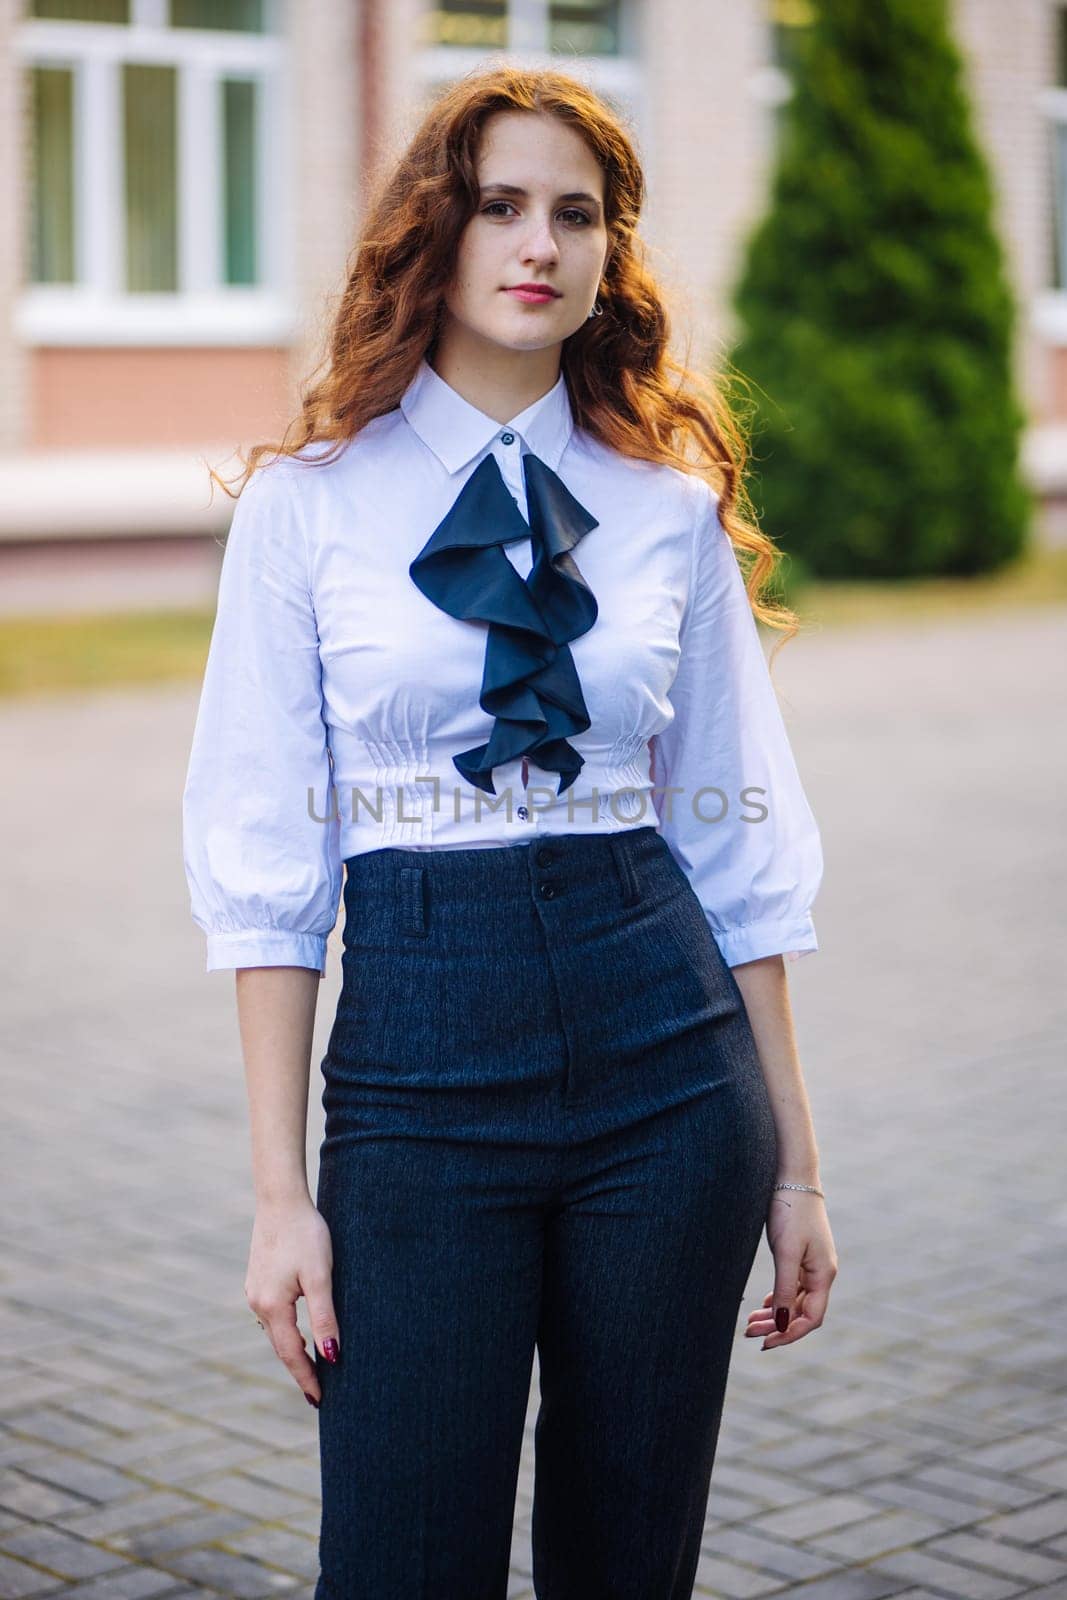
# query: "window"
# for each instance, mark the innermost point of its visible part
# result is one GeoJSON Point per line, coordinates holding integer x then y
{"type": "Point", "coordinates": [155, 151]}
{"type": "Point", "coordinates": [1059, 166]}
{"type": "Point", "coordinates": [233, 16]}
{"type": "Point", "coordinates": [150, 148]}
{"type": "Point", "coordinates": [468, 24]}
{"type": "Point", "coordinates": [596, 39]}
{"type": "Point", "coordinates": [566, 27]}
{"type": "Point", "coordinates": [82, 10]}
{"type": "Point", "coordinates": [789, 19]}
{"type": "Point", "coordinates": [52, 247]}
{"type": "Point", "coordinates": [240, 175]}
{"type": "Point", "coordinates": [584, 28]}
{"type": "Point", "coordinates": [1057, 107]}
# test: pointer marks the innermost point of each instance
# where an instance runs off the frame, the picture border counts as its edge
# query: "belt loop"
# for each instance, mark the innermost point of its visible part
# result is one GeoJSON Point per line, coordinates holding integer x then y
{"type": "Point", "coordinates": [413, 899]}
{"type": "Point", "coordinates": [631, 889]}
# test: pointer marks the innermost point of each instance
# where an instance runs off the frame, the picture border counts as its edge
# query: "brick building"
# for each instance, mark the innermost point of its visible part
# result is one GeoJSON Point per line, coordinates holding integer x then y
{"type": "Point", "coordinates": [187, 182]}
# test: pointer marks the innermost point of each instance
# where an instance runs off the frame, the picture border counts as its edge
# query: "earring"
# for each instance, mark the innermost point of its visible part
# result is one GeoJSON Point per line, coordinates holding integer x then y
{"type": "Point", "coordinates": [597, 311]}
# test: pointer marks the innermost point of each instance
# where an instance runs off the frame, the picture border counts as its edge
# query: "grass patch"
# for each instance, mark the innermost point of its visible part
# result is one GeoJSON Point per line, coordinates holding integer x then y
{"type": "Point", "coordinates": [1038, 578]}
{"type": "Point", "coordinates": [57, 653]}
{"type": "Point", "coordinates": [40, 654]}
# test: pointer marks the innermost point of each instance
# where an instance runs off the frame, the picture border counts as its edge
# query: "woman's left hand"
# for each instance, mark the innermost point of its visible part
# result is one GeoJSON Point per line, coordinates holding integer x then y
{"type": "Point", "coordinates": [805, 1265]}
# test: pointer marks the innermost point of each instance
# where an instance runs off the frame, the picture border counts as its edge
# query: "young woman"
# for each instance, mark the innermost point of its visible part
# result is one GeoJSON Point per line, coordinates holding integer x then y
{"type": "Point", "coordinates": [483, 641]}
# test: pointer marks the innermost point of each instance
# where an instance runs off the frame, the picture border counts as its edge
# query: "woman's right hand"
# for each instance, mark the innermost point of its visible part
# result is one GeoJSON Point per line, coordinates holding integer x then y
{"type": "Point", "coordinates": [292, 1255]}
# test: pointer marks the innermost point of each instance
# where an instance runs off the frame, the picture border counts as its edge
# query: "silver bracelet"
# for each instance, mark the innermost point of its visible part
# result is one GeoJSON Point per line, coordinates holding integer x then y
{"type": "Point", "coordinates": [808, 1188]}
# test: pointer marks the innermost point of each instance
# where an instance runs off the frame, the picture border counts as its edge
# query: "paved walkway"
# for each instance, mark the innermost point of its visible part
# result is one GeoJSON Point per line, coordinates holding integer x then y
{"type": "Point", "coordinates": [916, 1445]}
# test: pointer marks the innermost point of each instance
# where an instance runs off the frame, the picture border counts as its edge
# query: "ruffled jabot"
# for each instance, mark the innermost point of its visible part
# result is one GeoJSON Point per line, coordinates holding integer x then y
{"type": "Point", "coordinates": [529, 681]}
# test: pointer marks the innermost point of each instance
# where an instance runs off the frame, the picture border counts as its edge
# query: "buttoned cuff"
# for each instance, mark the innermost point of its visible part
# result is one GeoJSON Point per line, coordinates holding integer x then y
{"type": "Point", "coordinates": [266, 947]}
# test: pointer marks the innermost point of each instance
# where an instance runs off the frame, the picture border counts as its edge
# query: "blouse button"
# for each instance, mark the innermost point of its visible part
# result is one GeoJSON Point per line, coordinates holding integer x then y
{"type": "Point", "coordinates": [522, 812]}
{"type": "Point", "coordinates": [507, 438]}
{"type": "Point", "coordinates": [548, 890]}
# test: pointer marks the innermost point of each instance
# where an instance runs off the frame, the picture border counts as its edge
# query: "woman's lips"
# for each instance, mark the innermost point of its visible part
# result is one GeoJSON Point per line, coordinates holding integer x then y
{"type": "Point", "coordinates": [533, 297]}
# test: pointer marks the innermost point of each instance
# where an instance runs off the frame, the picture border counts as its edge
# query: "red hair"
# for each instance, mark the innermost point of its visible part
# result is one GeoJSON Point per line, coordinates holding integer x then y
{"type": "Point", "coordinates": [624, 386]}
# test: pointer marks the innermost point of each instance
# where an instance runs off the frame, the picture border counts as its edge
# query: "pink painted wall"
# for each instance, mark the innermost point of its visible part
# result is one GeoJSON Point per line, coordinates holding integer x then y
{"type": "Point", "coordinates": [88, 398]}
{"type": "Point", "coordinates": [1057, 359]}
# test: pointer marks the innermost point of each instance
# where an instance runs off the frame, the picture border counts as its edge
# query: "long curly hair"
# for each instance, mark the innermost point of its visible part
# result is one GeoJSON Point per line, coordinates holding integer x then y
{"type": "Point", "coordinates": [624, 386]}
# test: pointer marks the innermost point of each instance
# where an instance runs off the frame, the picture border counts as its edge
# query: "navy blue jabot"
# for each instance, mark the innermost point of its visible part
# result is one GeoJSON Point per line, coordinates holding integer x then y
{"type": "Point", "coordinates": [529, 681]}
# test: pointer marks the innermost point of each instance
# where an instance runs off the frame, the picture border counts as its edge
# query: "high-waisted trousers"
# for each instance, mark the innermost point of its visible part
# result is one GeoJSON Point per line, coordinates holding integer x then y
{"type": "Point", "coordinates": [546, 1127]}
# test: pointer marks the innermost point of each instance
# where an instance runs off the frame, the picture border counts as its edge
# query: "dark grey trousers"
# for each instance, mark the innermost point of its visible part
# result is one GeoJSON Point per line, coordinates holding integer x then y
{"type": "Point", "coordinates": [546, 1125]}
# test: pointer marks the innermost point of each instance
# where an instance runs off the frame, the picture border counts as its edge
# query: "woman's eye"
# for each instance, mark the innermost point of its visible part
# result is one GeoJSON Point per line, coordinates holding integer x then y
{"type": "Point", "coordinates": [571, 211]}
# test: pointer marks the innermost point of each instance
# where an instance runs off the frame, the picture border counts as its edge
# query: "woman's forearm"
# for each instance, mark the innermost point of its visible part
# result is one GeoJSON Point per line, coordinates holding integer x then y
{"type": "Point", "coordinates": [765, 990]}
{"type": "Point", "coordinates": [276, 1017]}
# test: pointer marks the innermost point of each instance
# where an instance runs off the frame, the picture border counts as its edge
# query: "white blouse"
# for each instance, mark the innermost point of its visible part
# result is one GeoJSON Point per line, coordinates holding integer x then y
{"type": "Point", "coordinates": [336, 693]}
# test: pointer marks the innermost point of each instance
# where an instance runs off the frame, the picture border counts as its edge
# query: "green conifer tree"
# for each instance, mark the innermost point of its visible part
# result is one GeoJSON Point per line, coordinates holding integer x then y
{"type": "Point", "coordinates": [875, 314]}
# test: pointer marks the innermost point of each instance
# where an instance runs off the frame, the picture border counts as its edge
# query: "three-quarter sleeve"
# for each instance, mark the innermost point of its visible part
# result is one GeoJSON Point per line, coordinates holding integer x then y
{"type": "Point", "coordinates": [738, 821]}
{"type": "Point", "coordinates": [264, 872]}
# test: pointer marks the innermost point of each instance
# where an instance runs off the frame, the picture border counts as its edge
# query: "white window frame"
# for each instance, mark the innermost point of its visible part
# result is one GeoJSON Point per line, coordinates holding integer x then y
{"type": "Point", "coordinates": [619, 76]}
{"type": "Point", "coordinates": [97, 308]}
{"type": "Point", "coordinates": [1050, 307]}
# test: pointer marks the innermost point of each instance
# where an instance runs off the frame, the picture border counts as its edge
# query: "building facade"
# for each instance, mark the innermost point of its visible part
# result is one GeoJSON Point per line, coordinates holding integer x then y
{"type": "Point", "coordinates": [188, 177]}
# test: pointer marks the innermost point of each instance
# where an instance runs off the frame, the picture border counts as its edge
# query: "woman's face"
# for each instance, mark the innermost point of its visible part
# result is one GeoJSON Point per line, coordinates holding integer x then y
{"type": "Point", "coordinates": [552, 233]}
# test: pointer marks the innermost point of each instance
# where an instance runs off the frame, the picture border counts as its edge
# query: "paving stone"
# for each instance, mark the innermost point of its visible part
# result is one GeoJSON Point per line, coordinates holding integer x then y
{"type": "Point", "coordinates": [123, 1516]}
{"type": "Point", "coordinates": [19, 1581]}
{"type": "Point", "coordinates": [949, 1511]}
{"type": "Point", "coordinates": [950, 1577]}
{"type": "Point", "coordinates": [1046, 1520]}
{"type": "Point", "coordinates": [1050, 1474]}
{"type": "Point", "coordinates": [811, 1518]}
{"type": "Point", "coordinates": [1020, 1452]}
{"type": "Point", "coordinates": [776, 1556]}
{"type": "Point", "coordinates": [190, 1464]}
{"type": "Point", "coordinates": [132, 1583]}
{"type": "Point", "coordinates": [156, 1441]}
{"type": "Point", "coordinates": [50, 1425]}
{"type": "Point", "coordinates": [16, 1452]}
{"type": "Point", "coordinates": [856, 1470]}
{"type": "Point", "coordinates": [717, 1577]}
{"type": "Point", "coordinates": [297, 1471]}
{"type": "Point", "coordinates": [278, 1548]}
{"type": "Point", "coordinates": [236, 1492]}
{"type": "Point", "coordinates": [304, 1521]}
{"type": "Point", "coordinates": [83, 1477]}
{"type": "Point", "coordinates": [917, 1594]}
{"type": "Point", "coordinates": [28, 1498]}
{"type": "Point", "coordinates": [875, 1536]}
{"type": "Point", "coordinates": [231, 1575]}
{"type": "Point", "coordinates": [979, 1488]}
{"type": "Point", "coordinates": [60, 1552]}
{"type": "Point", "coordinates": [144, 1423]}
{"type": "Point", "coordinates": [998, 1555]}
{"type": "Point", "coordinates": [857, 1585]}
{"type": "Point", "coordinates": [186, 1533]}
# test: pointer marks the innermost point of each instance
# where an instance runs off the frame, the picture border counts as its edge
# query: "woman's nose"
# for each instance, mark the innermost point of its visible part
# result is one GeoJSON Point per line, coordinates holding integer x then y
{"type": "Point", "coordinates": [540, 243]}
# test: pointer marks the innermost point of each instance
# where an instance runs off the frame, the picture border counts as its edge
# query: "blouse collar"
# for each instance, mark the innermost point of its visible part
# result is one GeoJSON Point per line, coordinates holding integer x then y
{"type": "Point", "coordinates": [456, 431]}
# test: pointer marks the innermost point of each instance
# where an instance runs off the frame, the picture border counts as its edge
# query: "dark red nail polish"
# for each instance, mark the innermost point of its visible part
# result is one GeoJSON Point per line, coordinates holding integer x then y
{"type": "Point", "coordinates": [781, 1318]}
{"type": "Point", "coordinates": [330, 1351]}
{"type": "Point", "coordinates": [310, 1398]}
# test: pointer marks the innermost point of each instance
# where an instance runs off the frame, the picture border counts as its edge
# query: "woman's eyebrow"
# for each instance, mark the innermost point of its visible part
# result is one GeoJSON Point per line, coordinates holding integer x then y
{"type": "Point", "coordinates": [524, 194]}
